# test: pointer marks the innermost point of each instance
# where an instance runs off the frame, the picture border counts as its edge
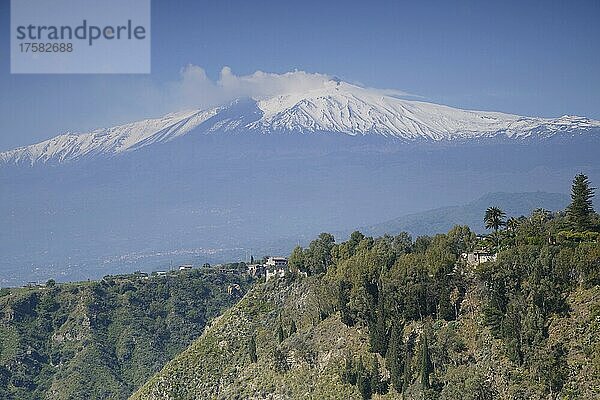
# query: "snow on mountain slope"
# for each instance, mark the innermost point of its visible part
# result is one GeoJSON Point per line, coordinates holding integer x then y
{"type": "Point", "coordinates": [341, 107]}
{"type": "Point", "coordinates": [336, 107]}
{"type": "Point", "coordinates": [109, 141]}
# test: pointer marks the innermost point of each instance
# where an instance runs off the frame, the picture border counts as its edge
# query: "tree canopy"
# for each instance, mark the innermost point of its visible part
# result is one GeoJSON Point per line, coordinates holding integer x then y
{"type": "Point", "coordinates": [581, 208]}
{"type": "Point", "coordinates": [494, 218]}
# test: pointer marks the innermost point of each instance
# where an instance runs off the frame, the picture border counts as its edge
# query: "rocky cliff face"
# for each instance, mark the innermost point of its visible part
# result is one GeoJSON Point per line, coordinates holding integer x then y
{"type": "Point", "coordinates": [305, 364]}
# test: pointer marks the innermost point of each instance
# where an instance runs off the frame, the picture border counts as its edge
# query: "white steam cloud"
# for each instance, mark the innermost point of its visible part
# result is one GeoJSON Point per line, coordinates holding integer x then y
{"type": "Point", "coordinates": [195, 89]}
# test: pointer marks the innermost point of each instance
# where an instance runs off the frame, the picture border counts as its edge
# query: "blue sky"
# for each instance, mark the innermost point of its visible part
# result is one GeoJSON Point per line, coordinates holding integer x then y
{"type": "Point", "coordinates": [541, 58]}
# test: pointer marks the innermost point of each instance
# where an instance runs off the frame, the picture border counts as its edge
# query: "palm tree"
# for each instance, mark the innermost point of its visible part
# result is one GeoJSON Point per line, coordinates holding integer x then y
{"type": "Point", "coordinates": [541, 215]}
{"type": "Point", "coordinates": [512, 224]}
{"type": "Point", "coordinates": [494, 218]}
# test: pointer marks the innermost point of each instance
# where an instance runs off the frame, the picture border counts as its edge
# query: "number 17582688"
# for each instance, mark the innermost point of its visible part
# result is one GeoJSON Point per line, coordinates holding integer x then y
{"type": "Point", "coordinates": [46, 47]}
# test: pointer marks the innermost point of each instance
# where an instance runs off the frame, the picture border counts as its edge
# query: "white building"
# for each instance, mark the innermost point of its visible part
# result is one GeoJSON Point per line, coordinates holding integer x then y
{"type": "Point", "coordinates": [275, 273]}
{"type": "Point", "coordinates": [275, 267]}
{"type": "Point", "coordinates": [478, 257]}
{"type": "Point", "coordinates": [279, 262]}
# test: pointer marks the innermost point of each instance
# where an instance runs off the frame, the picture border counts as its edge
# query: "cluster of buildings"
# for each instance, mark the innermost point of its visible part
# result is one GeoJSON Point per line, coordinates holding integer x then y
{"type": "Point", "coordinates": [181, 268]}
{"type": "Point", "coordinates": [277, 267]}
{"type": "Point", "coordinates": [274, 267]}
{"type": "Point", "coordinates": [33, 284]}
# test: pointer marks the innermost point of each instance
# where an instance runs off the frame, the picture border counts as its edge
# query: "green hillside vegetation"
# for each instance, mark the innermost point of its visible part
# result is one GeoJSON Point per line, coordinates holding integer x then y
{"type": "Point", "coordinates": [102, 340]}
{"type": "Point", "coordinates": [396, 318]}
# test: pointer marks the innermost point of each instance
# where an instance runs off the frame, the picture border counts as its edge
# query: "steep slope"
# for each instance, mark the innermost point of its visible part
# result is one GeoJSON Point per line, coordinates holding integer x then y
{"type": "Point", "coordinates": [390, 319]}
{"type": "Point", "coordinates": [337, 107]}
{"type": "Point", "coordinates": [110, 141]}
{"type": "Point", "coordinates": [101, 340]}
{"type": "Point", "coordinates": [304, 365]}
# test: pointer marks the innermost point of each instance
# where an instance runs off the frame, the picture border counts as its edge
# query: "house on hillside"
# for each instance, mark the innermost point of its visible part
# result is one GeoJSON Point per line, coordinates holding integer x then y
{"type": "Point", "coordinates": [277, 262]}
{"type": "Point", "coordinates": [274, 272]}
{"type": "Point", "coordinates": [32, 285]}
{"type": "Point", "coordinates": [185, 267]}
{"type": "Point", "coordinates": [478, 257]}
{"type": "Point", "coordinates": [275, 267]}
{"type": "Point", "coordinates": [140, 275]}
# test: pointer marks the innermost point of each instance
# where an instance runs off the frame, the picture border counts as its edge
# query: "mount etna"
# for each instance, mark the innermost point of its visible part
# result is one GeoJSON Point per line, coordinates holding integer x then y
{"type": "Point", "coordinates": [257, 175]}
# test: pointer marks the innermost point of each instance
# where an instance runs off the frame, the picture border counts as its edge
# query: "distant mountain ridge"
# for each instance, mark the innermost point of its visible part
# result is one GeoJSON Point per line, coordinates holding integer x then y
{"type": "Point", "coordinates": [337, 107]}
{"type": "Point", "coordinates": [443, 219]}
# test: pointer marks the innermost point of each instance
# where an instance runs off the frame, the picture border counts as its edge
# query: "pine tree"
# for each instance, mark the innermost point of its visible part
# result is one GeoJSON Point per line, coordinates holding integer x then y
{"type": "Point", "coordinates": [581, 209]}
{"type": "Point", "coordinates": [296, 261]}
{"type": "Point", "coordinates": [252, 350]}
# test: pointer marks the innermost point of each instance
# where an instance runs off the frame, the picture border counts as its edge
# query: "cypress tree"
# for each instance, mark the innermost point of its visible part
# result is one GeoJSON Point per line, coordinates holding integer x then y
{"type": "Point", "coordinates": [407, 378]}
{"type": "Point", "coordinates": [406, 374]}
{"type": "Point", "coordinates": [343, 299]}
{"type": "Point", "coordinates": [378, 331]}
{"type": "Point", "coordinates": [363, 380]}
{"type": "Point", "coordinates": [349, 374]}
{"type": "Point", "coordinates": [425, 363]}
{"type": "Point", "coordinates": [280, 333]}
{"type": "Point", "coordinates": [293, 328]}
{"type": "Point", "coordinates": [279, 361]}
{"type": "Point", "coordinates": [377, 384]}
{"type": "Point", "coordinates": [252, 350]}
{"type": "Point", "coordinates": [581, 209]}
{"type": "Point", "coordinates": [394, 358]}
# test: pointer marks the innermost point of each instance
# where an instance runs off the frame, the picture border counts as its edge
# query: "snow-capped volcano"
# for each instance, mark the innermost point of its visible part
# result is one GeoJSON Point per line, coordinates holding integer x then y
{"type": "Point", "coordinates": [345, 108]}
{"type": "Point", "coordinates": [336, 107]}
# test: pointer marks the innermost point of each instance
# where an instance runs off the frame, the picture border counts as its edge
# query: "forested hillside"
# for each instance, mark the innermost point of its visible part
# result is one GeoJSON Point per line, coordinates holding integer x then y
{"type": "Point", "coordinates": [102, 340]}
{"type": "Point", "coordinates": [397, 318]}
